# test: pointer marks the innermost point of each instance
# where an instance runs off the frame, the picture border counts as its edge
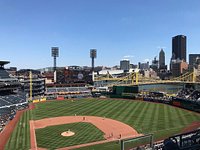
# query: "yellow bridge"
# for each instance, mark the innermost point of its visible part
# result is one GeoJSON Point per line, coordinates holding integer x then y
{"type": "Point", "coordinates": [135, 78]}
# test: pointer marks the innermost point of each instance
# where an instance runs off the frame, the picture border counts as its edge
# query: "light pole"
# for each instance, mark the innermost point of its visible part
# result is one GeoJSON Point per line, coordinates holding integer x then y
{"type": "Point", "coordinates": [93, 55]}
{"type": "Point", "coordinates": [54, 54]}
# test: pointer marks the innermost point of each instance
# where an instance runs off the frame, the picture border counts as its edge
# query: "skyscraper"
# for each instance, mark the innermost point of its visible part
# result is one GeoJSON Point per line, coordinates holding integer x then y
{"type": "Point", "coordinates": [125, 65]}
{"type": "Point", "coordinates": [179, 47]}
{"type": "Point", "coordinates": [161, 59]}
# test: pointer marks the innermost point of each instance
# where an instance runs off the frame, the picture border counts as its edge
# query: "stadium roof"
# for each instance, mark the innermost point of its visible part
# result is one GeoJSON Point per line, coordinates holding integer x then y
{"type": "Point", "coordinates": [2, 63]}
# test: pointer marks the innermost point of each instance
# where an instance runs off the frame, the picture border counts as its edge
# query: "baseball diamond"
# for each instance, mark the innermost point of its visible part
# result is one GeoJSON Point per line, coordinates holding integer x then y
{"type": "Point", "coordinates": [77, 116]}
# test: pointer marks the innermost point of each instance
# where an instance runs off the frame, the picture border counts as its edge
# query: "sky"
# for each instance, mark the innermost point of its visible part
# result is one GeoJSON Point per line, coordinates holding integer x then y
{"type": "Point", "coordinates": [118, 29]}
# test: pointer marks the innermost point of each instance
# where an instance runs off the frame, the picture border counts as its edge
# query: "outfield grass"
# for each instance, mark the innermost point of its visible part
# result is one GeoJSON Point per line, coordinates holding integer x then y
{"type": "Point", "coordinates": [50, 137]}
{"type": "Point", "coordinates": [160, 119]}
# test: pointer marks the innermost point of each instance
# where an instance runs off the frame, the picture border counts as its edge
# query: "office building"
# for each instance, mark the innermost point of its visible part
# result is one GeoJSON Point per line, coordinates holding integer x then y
{"type": "Point", "coordinates": [143, 66]}
{"type": "Point", "coordinates": [161, 58]}
{"type": "Point", "coordinates": [125, 65]}
{"type": "Point", "coordinates": [178, 68]}
{"type": "Point", "coordinates": [154, 64]}
{"type": "Point", "coordinates": [179, 47]}
{"type": "Point", "coordinates": [192, 60]}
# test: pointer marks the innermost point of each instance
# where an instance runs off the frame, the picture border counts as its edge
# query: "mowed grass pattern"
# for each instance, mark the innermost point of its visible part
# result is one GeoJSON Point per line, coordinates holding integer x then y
{"type": "Point", "coordinates": [160, 119]}
{"type": "Point", "coordinates": [50, 137]}
{"type": "Point", "coordinates": [19, 139]}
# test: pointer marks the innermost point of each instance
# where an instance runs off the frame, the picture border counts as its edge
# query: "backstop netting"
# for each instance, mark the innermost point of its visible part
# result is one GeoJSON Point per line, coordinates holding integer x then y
{"type": "Point", "coordinates": [145, 141]}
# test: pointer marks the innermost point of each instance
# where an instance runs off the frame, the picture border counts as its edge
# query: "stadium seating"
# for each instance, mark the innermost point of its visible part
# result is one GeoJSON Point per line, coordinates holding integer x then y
{"type": "Point", "coordinates": [3, 74]}
{"type": "Point", "coordinates": [6, 114]}
{"type": "Point", "coordinates": [190, 140]}
{"type": "Point", "coordinates": [185, 141]}
{"type": "Point", "coordinates": [67, 92]}
{"type": "Point", "coordinates": [189, 94]}
{"type": "Point", "coordinates": [3, 102]}
{"type": "Point", "coordinates": [187, 98]}
{"type": "Point", "coordinates": [9, 100]}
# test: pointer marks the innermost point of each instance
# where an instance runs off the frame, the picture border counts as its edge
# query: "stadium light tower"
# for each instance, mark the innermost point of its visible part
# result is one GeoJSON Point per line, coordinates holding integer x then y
{"type": "Point", "coordinates": [54, 54]}
{"type": "Point", "coordinates": [93, 55]}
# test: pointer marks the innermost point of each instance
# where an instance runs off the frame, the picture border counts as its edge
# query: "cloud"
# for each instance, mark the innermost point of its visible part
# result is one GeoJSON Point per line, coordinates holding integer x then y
{"type": "Point", "coordinates": [128, 56]}
{"type": "Point", "coordinates": [147, 60]}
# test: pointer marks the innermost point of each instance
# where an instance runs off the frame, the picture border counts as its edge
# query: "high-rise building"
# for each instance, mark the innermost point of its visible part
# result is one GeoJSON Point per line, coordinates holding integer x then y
{"type": "Point", "coordinates": [161, 58]}
{"type": "Point", "coordinates": [143, 66]}
{"type": "Point", "coordinates": [154, 64]}
{"type": "Point", "coordinates": [125, 65]}
{"type": "Point", "coordinates": [178, 68]}
{"type": "Point", "coordinates": [192, 60]}
{"type": "Point", "coordinates": [179, 47]}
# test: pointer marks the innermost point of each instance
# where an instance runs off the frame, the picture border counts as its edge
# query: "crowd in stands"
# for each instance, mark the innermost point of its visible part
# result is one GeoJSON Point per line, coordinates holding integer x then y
{"type": "Point", "coordinates": [9, 104]}
{"type": "Point", "coordinates": [189, 94]}
{"type": "Point", "coordinates": [13, 99]}
{"type": "Point", "coordinates": [190, 141]}
{"type": "Point", "coordinates": [188, 98]}
{"type": "Point", "coordinates": [155, 97]}
{"type": "Point", "coordinates": [158, 145]}
{"type": "Point", "coordinates": [67, 92]}
{"type": "Point", "coordinates": [8, 113]}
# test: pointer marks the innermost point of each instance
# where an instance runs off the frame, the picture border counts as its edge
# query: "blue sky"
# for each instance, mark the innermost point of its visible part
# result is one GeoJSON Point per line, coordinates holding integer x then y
{"type": "Point", "coordinates": [134, 29]}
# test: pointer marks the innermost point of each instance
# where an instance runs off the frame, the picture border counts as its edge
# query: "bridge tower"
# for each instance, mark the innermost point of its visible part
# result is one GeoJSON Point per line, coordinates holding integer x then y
{"type": "Point", "coordinates": [136, 78]}
{"type": "Point", "coordinates": [194, 76]}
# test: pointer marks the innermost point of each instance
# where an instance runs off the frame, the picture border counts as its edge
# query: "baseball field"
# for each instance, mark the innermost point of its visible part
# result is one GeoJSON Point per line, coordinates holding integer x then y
{"type": "Point", "coordinates": [144, 117]}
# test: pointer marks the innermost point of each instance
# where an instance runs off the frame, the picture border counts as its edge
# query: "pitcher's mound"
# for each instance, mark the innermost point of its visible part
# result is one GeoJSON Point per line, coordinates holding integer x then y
{"type": "Point", "coordinates": [67, 133]}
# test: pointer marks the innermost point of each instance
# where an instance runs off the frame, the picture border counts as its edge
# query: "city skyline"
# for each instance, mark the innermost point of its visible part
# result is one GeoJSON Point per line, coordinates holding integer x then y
{"type": "Point", "coordinates": [135, 30]}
